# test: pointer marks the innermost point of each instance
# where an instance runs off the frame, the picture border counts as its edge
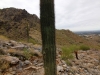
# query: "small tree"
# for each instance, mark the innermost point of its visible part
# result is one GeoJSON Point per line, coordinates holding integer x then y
{"type": "Point", "coordinates": [47, 20]}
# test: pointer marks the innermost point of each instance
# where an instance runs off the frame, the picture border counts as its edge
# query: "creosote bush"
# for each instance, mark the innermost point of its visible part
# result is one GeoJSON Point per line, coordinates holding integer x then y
{"type": "Point", "coordinates": [67, 54]}
{"type": "Point", "coordinates": [67, 51]}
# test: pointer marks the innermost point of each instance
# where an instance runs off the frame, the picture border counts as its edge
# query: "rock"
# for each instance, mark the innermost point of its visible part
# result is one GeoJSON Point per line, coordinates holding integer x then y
{"type": "Point", "coordinates": [19, 70]}
{"type": "Point", "coordinates": [40, 64]}
{"type": "Point", "coordinates": [32, 67]}
{"type": "Point", "coordinates": [59, 68]}
{"type": "Point", "coordinates": [13, 73]}
{"type": "Point", "coordinates": [20, 65]}
{"type": "Point", "coordinates": [10, 69]}
{"type": "Point", "coordinates": [37, 53]}
{"type": "Point", "coordinates": [58, 61]}
{"type": "Point", "coordinates": [64, 66]}
{"type": "Point", "coordinates": [89, 65]}
{"type": "Point", "coordinates": [63, 62]}
{"type": "Point", "coordinates": [12, 60]}
{"type": "Point", "coordinates": [8, 74]}
{"type": "Point", "coordinates": [77, 74]}
{"type": "Point", "coordinates": [13, 42]}
{"type": "Point", "coordinates": [14, 68]}
{"type": "Point", "coordinates": [27, 62]}
{"type": "Point", "coordinates": [74, 68]}
{"type": "Point", "coordinates": [37, 47]}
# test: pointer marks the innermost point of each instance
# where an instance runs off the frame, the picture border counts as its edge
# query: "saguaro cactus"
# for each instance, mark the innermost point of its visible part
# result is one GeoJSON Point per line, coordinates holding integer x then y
{"type": "Point", "coordinates": [47, 20]}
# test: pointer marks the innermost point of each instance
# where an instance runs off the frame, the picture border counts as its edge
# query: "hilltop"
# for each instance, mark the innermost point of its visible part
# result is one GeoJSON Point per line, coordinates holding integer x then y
{"type": "Point", "coordinates": [15, 23]}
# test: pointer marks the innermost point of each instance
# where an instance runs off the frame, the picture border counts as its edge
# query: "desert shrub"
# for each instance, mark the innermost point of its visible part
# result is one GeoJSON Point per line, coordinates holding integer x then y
{"type": "Point", "coordinates": [3, 37]}
{"type": "Point", "coordinates": [66, 53]}
{"type": "Point", "coordinates": [31, 40]}
{"type": "Point", "coordinates": [73, 47]}
{"type": "Point", "coordinates": [84, 47]}
{"type": "Point", "coordinates": [26, 53]}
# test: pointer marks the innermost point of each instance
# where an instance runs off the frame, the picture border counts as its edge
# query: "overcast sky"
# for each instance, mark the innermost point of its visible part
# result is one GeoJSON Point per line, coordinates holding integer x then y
{"type": "Point", "coordinates": [75, 15]}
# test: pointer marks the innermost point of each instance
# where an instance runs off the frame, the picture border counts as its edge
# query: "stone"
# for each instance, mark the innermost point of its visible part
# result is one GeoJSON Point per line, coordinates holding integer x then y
{"type": "Point", "coordinates": [59, 68]}
{"type": "Point", "coordinates": [20, 65]}
{"type": "Point", "coordinates": [74, 68]}
{"type": "Point", "coordinates": [8, 61]}
{"type": "Point", "coordinates": [32, 67]}
{"type": "Point", "coordinates": [12, 60]}
{"type": "Point", "coordinates": [13, 42]}
{"type": "Point", "coordinates": [40, 64]}
{"type": "Point", "coordinates": [27, 62]}
{"type": "Point", "coordinates": [37, 53]}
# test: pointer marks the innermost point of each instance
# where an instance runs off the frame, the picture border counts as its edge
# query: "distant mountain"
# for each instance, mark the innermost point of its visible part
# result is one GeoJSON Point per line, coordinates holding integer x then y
{"type": "Point", "coordinates": [87, 32]}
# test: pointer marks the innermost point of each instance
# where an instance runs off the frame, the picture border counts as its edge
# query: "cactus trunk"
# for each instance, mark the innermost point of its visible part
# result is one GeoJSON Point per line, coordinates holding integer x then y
{"type": "Point", "coordinates": [47, 20]}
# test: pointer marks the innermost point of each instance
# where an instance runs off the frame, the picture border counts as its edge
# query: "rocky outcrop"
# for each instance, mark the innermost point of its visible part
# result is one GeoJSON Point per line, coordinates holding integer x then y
{"type": "Point", "coordinates": [16, 23]}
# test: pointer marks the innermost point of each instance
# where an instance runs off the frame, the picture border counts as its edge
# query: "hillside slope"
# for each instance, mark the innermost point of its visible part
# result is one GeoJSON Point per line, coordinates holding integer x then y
{"type": "Point", "coordinates": [17, 23]}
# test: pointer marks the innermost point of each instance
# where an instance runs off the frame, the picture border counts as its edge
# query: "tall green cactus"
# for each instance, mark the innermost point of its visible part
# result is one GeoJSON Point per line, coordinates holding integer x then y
{"type": "Point", "coordinates": [47, 20]}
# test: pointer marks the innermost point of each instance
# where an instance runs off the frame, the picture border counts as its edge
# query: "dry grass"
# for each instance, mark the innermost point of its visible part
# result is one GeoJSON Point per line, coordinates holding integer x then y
{"type": "Point", "coordinates": [3, 38]}
{"type": "Point", "coordinates": [4, 64]}
{"type": "Point", "coordinates": [67, 38]}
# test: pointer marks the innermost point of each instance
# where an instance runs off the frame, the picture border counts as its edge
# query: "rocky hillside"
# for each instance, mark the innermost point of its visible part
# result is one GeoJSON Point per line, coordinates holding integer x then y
{"type": "Point", "coordinates": [18, 58]}
{"type": "Point", "coordinates": [18, 24]}
{"type": "Point", "coordinates": [15, 23]}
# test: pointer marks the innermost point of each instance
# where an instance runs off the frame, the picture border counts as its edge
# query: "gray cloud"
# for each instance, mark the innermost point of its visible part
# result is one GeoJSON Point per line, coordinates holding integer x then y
{"type": "Point", "coordinates": [32, 6]}
{"type": "Point", "coordinates": [70, 14]}
{"type": "Point", "coordinates": [78, 15]}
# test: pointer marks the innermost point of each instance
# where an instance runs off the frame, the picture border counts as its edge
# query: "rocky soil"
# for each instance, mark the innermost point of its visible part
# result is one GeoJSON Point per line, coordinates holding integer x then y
{"type": "Point", "coordinates": [14, 60]}
{"type": "Point", "coordinates": [88, 63]}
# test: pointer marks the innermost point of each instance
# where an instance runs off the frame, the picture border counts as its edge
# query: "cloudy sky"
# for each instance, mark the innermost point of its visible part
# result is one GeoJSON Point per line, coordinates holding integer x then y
{"type": "Point", "coordinates": [75, 15]}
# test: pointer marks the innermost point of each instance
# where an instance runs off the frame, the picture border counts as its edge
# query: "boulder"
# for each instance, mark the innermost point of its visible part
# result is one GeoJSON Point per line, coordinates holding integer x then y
{"type": "Point", "coordinates": [10, 59]}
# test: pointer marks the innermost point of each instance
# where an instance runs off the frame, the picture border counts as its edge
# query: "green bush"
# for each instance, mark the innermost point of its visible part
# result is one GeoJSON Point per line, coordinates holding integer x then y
{"type": "Point", "coordinates": [27, 53]}
{"type": "Point", "coordinates": [73, 47]}
{"type": "Point", "coordinates": [84, 47]}
{"type": "Point", "coordinates": [67, 53]}
{"type": "Point", "coordinates": [31, 40]}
